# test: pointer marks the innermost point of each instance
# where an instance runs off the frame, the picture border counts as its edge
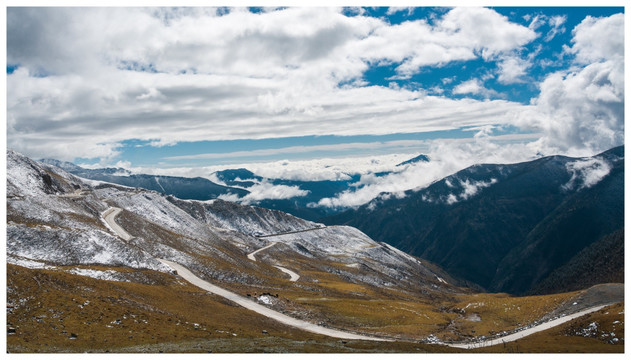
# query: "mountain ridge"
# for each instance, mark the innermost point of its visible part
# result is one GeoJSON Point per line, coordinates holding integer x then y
{"type": "Point", "coordinates": [488, 210]}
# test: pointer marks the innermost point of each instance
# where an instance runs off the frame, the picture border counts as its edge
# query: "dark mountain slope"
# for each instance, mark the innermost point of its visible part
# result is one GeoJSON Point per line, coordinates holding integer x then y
{"type": "Point", "coordinates": [577, 222]}
{"type": "Point", "coordinates": [420, 158]}
{"type": "Point", "coordinates": [600, 262]}
{"type": "Point", "coordinates": [470, 221]}
{"type": "Point", "coordinates": [185, 188]}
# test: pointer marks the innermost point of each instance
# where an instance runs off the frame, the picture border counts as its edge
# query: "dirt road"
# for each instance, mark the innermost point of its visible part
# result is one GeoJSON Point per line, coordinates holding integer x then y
{"type": "Point", "coordinates": [249, 304]}
{"type": "Point", "coordinates": [109, 216]}
{"type": "Point", "coordinates": [251, 255]}
{"type": "Point", "coordinates": [293, 275]}
{"type": "Point", "coordinates": [526, 332]}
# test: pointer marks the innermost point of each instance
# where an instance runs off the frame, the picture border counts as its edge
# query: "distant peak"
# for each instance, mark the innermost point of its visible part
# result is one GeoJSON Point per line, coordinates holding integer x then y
{"type": "Point", "coordinates": [420, 158]}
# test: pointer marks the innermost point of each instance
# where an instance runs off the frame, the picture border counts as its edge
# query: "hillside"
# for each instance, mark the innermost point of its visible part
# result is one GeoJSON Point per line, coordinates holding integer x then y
{"type": "Point", "coordinates": [185, 188]}
{"type": "Point", "coordinates": [74, 284]}
{"type": "Point", "coordinates": [522, 221]}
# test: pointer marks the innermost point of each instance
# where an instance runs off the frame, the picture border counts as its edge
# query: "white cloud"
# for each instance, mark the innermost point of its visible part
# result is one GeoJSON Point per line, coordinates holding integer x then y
{"type": "Point", "coordinates": [470, 188]}
{"type": "Point", "coordinates": [512, 69]}
{"type": "Point", "coordinates": [461, 34]}
{"type": "Point", "coordinates": [236, 76]}
{"type": "Point", "coordinates": [556, 22]}
{"type": "Point", "coordinates": [581, 111]}
{"type": "Point", "coordinates": [536, 22]}
{"type": "Point", "coordinates": [395, 9]}
{"type": "Point", "coordinates": [306, 170]}
{"type": "Point", "coordinates": [447, 158]}
{"type": "Point", "coordinates": [598, 39]}
{"type": "Point", "coordinates": [266, 190]}
{"type": "Point", "coordinates": [475, 87]}
{"type": "Point", "coordinates": [278, 73]}
{"type": "Point", "coordinates": [301, 149]}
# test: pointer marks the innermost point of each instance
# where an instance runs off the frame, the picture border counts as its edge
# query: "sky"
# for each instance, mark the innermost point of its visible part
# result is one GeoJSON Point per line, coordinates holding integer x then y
{"type": "Point", "coordinates": [313, 92]}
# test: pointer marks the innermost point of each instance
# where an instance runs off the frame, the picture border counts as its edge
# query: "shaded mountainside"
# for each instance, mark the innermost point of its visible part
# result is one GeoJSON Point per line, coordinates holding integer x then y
{"type": "Point", "coordinates": [600, 262]}
{"type": "Point", "coordinates": [503, 227]}
{"type": "Point", "coordinates": [301, 206]}
{"type": "Point", "coordinates": [185, 188]}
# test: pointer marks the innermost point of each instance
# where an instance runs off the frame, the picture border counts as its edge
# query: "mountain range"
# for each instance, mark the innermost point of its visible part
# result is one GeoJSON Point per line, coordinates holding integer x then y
{"type": "Point", "coordinates": [235, 185]}
{"type": "Point", "coordinates": [97, 266]}
{"type": "Point", "coordinates": [197, 188]}
{"type": "Point", "coordinates": [518, 228]}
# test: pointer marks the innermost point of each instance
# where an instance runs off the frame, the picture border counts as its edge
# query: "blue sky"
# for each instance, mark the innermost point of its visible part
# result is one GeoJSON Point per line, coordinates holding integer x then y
{"type": "Point", "coordinates": [167, 88]}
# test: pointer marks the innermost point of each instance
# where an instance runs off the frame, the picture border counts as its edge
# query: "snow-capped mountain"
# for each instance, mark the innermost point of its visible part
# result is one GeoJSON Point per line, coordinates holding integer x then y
{"type": "Point", "coordinates": [56, 219]}
{"type": "Point", "coordinates": [507, 227]}
{"type": "Point", "coordinates": [186, 188]}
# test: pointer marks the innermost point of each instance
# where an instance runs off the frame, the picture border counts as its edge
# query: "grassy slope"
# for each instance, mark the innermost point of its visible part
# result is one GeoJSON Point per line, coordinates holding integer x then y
{"type": "Point", "coordinates": [576, 336]}
{"type": "Point", "coordinates": [109, 316]}
{"type": "Point", "coordinates": [50, 306]}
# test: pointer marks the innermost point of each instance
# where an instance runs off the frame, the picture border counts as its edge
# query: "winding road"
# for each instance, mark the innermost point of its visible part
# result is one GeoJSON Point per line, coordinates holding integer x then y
{"type": "Point", "coordinates": [251, 255]}
{"type": "Point", "coordinates": [292, 232]}
{"type": "Point", "coordinates": [522, 334]}
{"type": "Point", "coordinates": [251, 305]}
{"type": "Point", "coordinates": [110, 214]}
{"type": "Point", "coordinates": [292, 275]}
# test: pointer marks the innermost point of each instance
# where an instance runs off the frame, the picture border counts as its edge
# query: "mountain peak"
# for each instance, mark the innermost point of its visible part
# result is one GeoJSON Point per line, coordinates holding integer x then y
{"type": "Point", "coordinates": [417, 159]}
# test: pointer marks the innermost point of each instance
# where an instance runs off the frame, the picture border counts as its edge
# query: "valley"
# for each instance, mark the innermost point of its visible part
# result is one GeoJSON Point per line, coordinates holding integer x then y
{"type": "Point", "coordinates": [96, 273]}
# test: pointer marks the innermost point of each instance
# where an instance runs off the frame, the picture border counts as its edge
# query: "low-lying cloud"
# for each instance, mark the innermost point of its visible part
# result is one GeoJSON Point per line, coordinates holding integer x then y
{"type": "Point", "coordinates": [265, 190]}
{"type": "Point", "coordinates": [586, 173]}
{"type": "Point", "coordinates": [447, 158]}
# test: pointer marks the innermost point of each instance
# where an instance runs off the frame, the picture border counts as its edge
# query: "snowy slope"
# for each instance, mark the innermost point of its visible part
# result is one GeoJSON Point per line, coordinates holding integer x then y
{"type": "Point", "coordinates": [55, 219]}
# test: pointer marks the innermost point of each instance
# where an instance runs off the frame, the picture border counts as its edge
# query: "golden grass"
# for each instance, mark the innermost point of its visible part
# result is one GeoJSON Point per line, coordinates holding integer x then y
{"type": "Point", "coordinates": [50, 306]}
{"type": "Point", "coordinates": [172, 315]}
{"type": "Point", "coordinates": [488, 314]}
{"type": "Point", "coordinates": [575, 336]}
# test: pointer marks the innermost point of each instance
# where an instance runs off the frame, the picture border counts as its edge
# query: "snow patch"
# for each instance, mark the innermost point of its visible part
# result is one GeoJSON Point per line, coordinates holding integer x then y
{"type": "Point", "coordinates": [109, 275]}
{"type": "Point", "coordinates": [265, 299]}
{"type": "Point", "coordinates": [28, 263]}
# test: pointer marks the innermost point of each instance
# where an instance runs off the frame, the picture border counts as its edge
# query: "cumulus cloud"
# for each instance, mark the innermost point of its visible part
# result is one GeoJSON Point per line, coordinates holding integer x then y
{"type": "Point", "coordinates": [512, 69]}
{"type": "Point", "coordinates": [581, 111]}
{"type": "Point", "coordinates": [475, 87]}
{"type": "Point", "coordinates": [597, 39]}
{"type": "Point", "coordinates": [89, 76]}
{"type": "Point", "coordinates": [461, 34]}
